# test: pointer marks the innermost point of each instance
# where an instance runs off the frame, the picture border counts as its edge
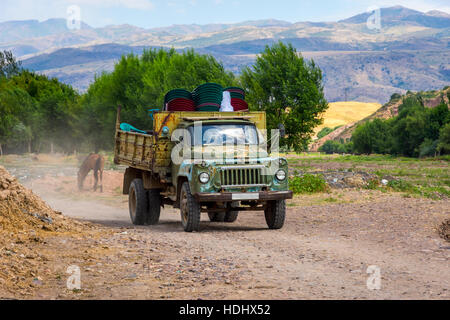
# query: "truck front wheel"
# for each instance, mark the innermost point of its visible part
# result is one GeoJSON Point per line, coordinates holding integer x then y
{"type": "Point", "coordinates": [275, 213]}
{"type": "Point", "coordinates": [190, 209]}
{"type": "Point", "coordinates": [138, 202]}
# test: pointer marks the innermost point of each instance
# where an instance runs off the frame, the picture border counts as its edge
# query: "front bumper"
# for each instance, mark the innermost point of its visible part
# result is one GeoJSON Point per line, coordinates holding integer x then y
{"type": "Point", "coordinates": [237, 196]}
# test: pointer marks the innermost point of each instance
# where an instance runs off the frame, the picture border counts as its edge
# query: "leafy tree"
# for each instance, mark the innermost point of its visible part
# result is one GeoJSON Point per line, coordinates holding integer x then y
{"type": "Point", "coordinates": [436, 118]}
{"type": "Point", "coordinates": [409, 128]}
{"type": "Point", "coordinates": [324, 132]}
{"type": "Point", "coordinates": [16, 107]}
{"type": "Point", "coordinates": [415, 131]}
{"type": "Point", "coordinates": [289, 89]}
{"type": "Point", "coordinates": [428, 148]}
{"type": "Point", "coordinates": [331, 146]}
{"type": "Point", "coordinates": [8, 64]}
{"type": "Point", "coordinates": [139, 83]}
{"type": "Point", "coordinates": [21, 135]}
{"type": "Point", "coordinates": [444, 139]}
{"type": "Point", "coordinates": [35, 109]}
{"type": "Point", "coordinates": [371, 137]}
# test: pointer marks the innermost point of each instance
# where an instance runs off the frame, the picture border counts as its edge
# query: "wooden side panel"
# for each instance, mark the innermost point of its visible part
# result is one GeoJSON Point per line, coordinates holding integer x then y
{"type": "Point", "coordinates": [142, 151]}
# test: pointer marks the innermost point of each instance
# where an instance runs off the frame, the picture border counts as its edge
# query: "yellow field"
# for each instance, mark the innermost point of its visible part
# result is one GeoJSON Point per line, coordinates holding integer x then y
{"type": "Point", "coordinates": [341, 113]}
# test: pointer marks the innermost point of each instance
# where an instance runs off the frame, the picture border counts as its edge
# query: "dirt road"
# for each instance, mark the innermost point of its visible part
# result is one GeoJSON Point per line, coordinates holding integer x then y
{"type": "Point", "coordinates": [323, 252]}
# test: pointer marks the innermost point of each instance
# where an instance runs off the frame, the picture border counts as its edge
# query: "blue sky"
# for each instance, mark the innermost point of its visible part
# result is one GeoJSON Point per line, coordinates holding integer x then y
{"type": "Point", "coordinates": [158, 13]}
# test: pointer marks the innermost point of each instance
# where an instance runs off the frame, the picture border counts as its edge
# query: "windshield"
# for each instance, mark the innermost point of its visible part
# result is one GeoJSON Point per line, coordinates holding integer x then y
{"type": "Point", "coordinates": [222, 134]}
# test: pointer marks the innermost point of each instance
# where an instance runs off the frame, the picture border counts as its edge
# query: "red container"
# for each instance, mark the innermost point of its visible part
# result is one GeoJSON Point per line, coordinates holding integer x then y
{"type": "Point", "coordinates": [181, 104]}
{"type": "Point", "coordinates": [239, 105]}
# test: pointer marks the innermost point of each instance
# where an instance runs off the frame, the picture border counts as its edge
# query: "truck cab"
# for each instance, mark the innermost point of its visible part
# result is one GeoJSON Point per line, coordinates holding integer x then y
{"type": "Point", "coordinates": [203, 162]}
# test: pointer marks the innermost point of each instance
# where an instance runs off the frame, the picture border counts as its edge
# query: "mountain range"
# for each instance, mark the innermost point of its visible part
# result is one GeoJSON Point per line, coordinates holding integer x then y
{"type": "Point", "coordinates": [409, 52]}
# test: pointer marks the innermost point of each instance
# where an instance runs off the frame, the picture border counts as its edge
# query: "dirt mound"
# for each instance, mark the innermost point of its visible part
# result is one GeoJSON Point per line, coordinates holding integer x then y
{"type": "Point", "coordinates": [444, 230]}
{"type": "Point", "coordinates": [26, 221]}
{"type": "Point", "coordinates": [22, 210]}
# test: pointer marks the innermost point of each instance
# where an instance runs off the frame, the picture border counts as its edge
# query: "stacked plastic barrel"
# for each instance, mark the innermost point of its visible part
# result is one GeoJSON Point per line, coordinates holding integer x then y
{"type": "Point", "coordinates": [206, 97]}
{"type": "Point", "coordinates": [179, 100]}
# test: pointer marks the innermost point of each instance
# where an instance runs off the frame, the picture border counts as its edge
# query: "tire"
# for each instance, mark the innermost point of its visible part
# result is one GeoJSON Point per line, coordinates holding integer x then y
{"type": "Point", "coordinates": [231, 216]}
{"type": "Point", "coordinates": [216, 216]}
{"type": "Point", "coordinates": [189, 209]}
{"type": "Point", "coordinates": [154, 207]}
{"type": "Point", "coordinates": [138, 202]}
{"type": "Point", "coordinates": [275, 214]}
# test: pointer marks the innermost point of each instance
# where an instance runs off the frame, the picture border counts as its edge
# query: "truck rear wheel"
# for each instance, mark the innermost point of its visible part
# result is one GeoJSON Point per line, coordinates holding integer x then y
{"type": "Point", "coordinates": [190, 209]}
{"type": "Point", "coordinates": [231, 216]}
{"type": "Point", "coordinates": [154, 207]}
{"type": "Point", "coordinates": [275, 214]}
{"type": "Point", "coordinates": [216, 216]}
{"type": "Point", "coordinates": [138, 202]}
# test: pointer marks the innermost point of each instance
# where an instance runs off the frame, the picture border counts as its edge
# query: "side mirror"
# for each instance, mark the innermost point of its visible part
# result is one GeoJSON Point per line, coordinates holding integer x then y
{"type": "Point", "coordinates": [282, 129]}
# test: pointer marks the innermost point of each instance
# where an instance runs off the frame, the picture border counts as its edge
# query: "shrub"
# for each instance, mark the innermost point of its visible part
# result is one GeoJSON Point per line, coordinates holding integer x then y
{"type": "Point", "coordinates": [396, 96]}
{"type": "Point", "coordinates": [331, 146]}
{"type": "Point", "coordinates": [308, 183]}
{"type": "Point", "coordinates": [371, 137]}
{"type": "Point", "coordinates": [324, 132]}
{"type": "Point", "coordinates": [402, 186]}
{"type": "Point", "coordinates": [428, 148]}
{"type": "Point", "coordinates": [372, 184]}
{"type": "Point", "coordinates": [444, 139]}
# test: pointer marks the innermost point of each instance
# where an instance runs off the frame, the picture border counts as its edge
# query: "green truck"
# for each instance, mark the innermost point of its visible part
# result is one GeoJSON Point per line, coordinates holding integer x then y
{"type": "Point", "coordinates": [211, 162]}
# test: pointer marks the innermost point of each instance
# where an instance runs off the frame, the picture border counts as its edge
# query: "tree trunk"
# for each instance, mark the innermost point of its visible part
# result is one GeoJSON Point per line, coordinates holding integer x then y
{"type": "Point", "coordinates": [29, 146]}
{"type": "Point", "coordinates": [1, 150]}
{"type": "Point", "coordinates": [51, 147]}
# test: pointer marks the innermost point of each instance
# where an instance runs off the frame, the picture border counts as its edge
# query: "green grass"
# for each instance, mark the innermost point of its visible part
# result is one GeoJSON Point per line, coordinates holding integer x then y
{"type": "Point", "coordinates": [373, 184]}
{"type": "Point", "coordinates": [427, 191]}
{"type": "Point", "coordinates": [308, 184]}
{"type": "Point", "coordinates": [427, 177]}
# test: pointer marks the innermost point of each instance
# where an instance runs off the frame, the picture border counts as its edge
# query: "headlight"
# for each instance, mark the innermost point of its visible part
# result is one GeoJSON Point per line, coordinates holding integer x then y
{"type": "Point", "coordinates": [280, 175]}
{"type": "Point", "coordinates": [203, 177]}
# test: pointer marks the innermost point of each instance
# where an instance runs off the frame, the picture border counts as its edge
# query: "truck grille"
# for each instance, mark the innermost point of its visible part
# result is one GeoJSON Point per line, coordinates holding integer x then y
{"type": "Point", "coordinates": [241, 176]}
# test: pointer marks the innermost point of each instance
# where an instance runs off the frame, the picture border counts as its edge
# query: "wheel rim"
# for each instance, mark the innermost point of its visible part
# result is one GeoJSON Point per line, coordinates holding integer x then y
{"type": "Point", "coordinates": [133, 204]}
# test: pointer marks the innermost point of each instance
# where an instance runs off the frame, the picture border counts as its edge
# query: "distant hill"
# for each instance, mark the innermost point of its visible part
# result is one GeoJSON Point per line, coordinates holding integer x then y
{"type": "Point", "coordinates": [74, 56]}
{"type": "Point", "coordinates": [430, 99]}
{"type": "Point", "coordinates": [400, 15]}
{"type": "Point", "coordinates": [345, 112]}
{"type": "Point", "coordinates": [11, 31]}
{"type": "Point", "coordinates": [411, 52]}
{"type": "Point", "coordinates": [370, 76]}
